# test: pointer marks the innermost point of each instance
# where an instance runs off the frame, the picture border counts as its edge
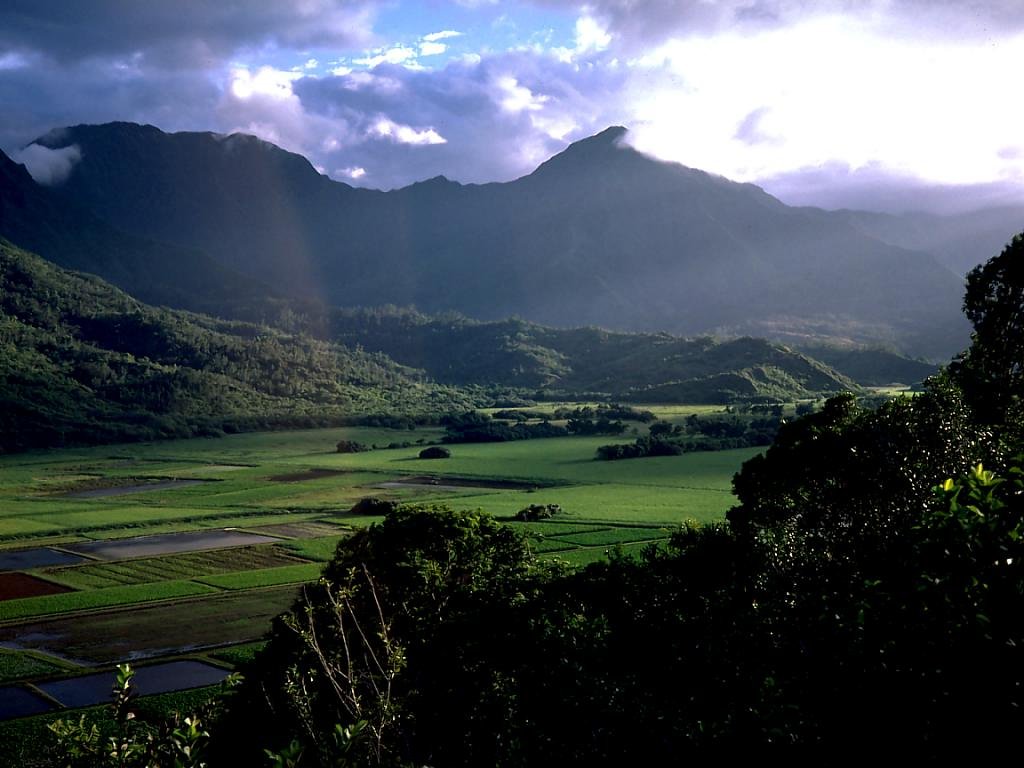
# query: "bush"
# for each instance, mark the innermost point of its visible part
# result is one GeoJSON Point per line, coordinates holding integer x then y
{"type": "Point", "coordinates": [538, 512]}
{"type": "Point", "coordinates": [435, 452]}
{"type": "Point", "coordinates": [351, 446]}
{"type": "Point", "coordinates": [371, 505]}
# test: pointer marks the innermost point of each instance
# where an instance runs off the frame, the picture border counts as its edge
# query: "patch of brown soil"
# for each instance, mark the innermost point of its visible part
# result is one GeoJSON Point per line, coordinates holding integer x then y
{"type": "Point", "coordinates": [15, 585]}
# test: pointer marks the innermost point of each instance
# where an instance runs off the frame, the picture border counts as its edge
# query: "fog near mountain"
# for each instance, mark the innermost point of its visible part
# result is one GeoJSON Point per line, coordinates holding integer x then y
{"type": "Point", "coordinates": [600, 234]}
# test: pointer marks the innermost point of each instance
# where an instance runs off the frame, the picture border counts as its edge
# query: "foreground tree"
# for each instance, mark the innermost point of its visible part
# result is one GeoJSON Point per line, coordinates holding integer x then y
{"type": "Point", "coordinates": [992, 370]}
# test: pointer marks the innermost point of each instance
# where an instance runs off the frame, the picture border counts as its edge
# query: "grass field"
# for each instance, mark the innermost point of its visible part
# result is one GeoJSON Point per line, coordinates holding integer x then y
{"type": "Point", "coordinates": [129, 602]}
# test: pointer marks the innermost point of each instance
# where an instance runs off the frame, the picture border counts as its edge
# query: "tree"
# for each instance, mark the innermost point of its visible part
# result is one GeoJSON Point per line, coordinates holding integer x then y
{"type": "Point", "coordinates": [991, 372]}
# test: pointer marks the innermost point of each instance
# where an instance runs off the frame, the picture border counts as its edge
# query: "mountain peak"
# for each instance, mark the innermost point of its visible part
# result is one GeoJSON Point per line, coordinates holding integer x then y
{"type": "Point", "coordinates": [598, 149]}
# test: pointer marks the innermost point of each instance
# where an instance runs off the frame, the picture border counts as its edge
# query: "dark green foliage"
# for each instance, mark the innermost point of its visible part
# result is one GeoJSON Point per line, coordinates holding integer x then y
{"type": "Point", "coordinates": [638, 367]}
{"type": "Point", "coordinates": [992, 370]}
{"type": "Point", "coordinates": [536, 512]}
{"type": "Point", "coordinates": [81, 362]}
{"type": "Point", "coordinates": [435, 452]}
{"type": "Point", "coordinates": [373, 506]}
{"type": "Point", "coordinates": [351, 446]}
{"type": "Point", "coordinates": [702, 433]}
{"type": "Point", "coordinates": [380, 632]}
{"type": "Point", "coordinates": [476, 427]}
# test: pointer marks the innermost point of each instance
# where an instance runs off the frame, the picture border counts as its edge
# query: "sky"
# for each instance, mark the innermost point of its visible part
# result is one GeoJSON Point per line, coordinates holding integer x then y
{"type": "Point", "coordinates": [877, 104]}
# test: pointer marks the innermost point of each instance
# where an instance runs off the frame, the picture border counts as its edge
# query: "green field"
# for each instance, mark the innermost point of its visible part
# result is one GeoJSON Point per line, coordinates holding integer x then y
{"type": "Point", "coordinates": [294, 487]}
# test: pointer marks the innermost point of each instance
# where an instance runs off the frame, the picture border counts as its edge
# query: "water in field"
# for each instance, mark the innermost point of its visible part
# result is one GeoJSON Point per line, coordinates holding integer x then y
{"type": "Point", "coordinates": [37, 557]}
{"type": "Point", "coordinates": [157, 678]}
{"type": "Point", "coordinates": [16, 701]}
{"type": "Point", "coordinates": [165, 544]}
{"type": "Point", "coordinates": [123, 490]}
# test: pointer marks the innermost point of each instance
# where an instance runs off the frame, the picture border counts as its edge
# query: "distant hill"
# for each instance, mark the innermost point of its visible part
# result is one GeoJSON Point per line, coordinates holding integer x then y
{"type": "Point", "coordinates": [637, 367]}
{"type": "Point", "coordinates": [873, 367]}
{"type": "Point", "coordinates": [598, 235]}
{"type": "Point", "coordinates": [83, 362]}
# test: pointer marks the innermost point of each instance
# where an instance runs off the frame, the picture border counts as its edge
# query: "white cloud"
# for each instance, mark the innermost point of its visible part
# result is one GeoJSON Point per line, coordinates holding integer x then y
{"type": "Point", "coordinates": [442, 35]}
{"type": "Point", "coordinates": [404, 134]}
{"type": "Point", "coordinates": [591, 35]}
{"type": "Point", "coordinates": [266, 81]}
{"type": "Point", "coordinates": [829, 90]}
{"type": "Point", "coordinates": [48, 166]}
{"type": "Point", "coordinates": [514, 97]}
{"type": "Point", "coordinates": [399, 54]}
{"type": "Point", "coordinates": [432, 49]}
{"type": "Point", "coordinates": [311, 64]}
{"type": "Point", "coordinates": [352, 172]}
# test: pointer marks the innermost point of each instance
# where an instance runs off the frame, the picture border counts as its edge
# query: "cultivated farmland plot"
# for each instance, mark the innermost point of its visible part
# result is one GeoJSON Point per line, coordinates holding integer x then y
{"type": "Point", "coordinates": [185, 550]}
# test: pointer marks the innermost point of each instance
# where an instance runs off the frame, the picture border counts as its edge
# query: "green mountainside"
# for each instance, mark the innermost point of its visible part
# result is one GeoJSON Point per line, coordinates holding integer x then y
{"type": "Point", "coordinates": [83, 362]}
{"type": "Point", "coordinates": [637, 366]}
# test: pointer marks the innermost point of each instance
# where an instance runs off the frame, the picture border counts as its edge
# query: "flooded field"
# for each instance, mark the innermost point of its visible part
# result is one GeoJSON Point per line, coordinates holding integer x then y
{"type": "Point", "coordinates": [165, 544]}
{"type": "Point", "coordinates": [37, 557]}
{"type": "Point", "coordinates": [16, 701]}
{"type": "Point", "coordinates": [124, 490]}
{"type": "Point", "coordinates": [87, 690]}
{"type": "Point", "coordinates": [135, 633]}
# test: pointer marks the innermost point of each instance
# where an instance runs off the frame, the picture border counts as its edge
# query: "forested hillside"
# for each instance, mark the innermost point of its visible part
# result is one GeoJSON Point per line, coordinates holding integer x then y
{"type": "Point", "coordinates": [637, 366]}
{"type": "Point", "coordinates": [83, 362]}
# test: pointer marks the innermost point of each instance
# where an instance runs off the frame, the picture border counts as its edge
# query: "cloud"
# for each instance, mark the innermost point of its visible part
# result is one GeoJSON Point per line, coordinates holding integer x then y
{"type": "Point", "coordinates": [500, 114]}
{"type": "Point", "coordinates": [49, 167]}
{"type": "Point", "coordinates": [637, 26]}
{"type": "Point", "coordinates": [196, 34]}
{"type": "Point", "coordinates": [878, 188]}
{"type": "Point", "coordinates": [428, 48]}
{"type": "Point", "coordinates": [752, 130]}
{"type": "Point", "coordinates": [433, 37]}
{"type": "Point", "coordinates": [514, 97]}
{"type": "Point", "coordinates": [405, 134]}
{"type": "Point", "coordinates": [399, 54]}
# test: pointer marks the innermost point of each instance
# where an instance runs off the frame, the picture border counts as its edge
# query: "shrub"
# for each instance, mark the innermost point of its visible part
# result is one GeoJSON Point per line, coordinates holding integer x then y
{"type": "Point", "coordinates": [435, 452]}
{"type": "Point", "coordinates": [351, 446]}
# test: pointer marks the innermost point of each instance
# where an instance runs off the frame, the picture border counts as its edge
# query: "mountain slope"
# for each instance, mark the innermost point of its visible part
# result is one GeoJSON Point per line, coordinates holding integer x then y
{"type": "Point", "coordinates": [59, 228]}
{"type": "Point", "coordinates": [639, 367]}
{"type": "Point", "coordinates": [598, 235]}
{"type": "Point", "coordinates": [961, 241]}
{"type": "Point", "coordinates": [82, 362]}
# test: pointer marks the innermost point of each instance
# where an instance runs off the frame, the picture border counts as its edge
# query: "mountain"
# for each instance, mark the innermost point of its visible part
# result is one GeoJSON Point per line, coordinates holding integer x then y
{"type": "Point", "coordinates": [83, 362]}
{"type": "Point", "coordinates": [59, 228]}
{"type": "Point", "coordinates": [960, 241]}
{"type": "Point", "coordinates": [600, 234]}
{"type": "Point", "coordinates": [628, 366]}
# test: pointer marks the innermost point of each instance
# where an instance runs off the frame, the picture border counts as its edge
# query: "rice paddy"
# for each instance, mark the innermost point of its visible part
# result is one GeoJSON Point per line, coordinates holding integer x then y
{"type": "Point", "coordinates": [167, 550]}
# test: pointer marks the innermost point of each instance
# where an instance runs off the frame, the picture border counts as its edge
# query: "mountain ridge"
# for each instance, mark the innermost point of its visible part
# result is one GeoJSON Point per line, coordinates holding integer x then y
{"type": "Point", "coordinates": [621, 241]}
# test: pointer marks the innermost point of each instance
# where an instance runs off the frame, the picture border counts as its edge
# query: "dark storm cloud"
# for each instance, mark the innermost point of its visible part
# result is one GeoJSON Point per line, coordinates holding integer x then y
{"type": "Point", "coordinates": [47, 95]}
{"type": "Point", "coordinates": [485, 141]}
{"type": "Point", "coordinates": [196, 33]}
